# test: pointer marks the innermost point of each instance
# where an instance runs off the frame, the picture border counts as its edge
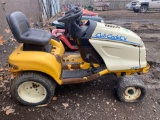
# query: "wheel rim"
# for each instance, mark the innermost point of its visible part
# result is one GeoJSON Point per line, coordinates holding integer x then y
{"type": "Point", "coordinates": [32, 92]}
{"type": "Point", "coordinates": [143, 9]}
{"type": "Point", "coordinates": [132, 93]}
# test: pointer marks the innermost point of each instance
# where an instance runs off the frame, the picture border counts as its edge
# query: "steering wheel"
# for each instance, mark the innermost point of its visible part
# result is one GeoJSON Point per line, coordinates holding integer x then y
{"type": "Point", "coordinates": [71, 15]}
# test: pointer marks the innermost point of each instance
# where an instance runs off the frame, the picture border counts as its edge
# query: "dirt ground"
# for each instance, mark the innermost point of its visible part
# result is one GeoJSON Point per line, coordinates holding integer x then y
{"type": "Point", "coordinates": [95, 100]}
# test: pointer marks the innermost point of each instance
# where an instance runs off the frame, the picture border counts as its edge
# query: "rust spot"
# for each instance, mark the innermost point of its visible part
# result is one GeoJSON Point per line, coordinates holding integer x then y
{"type": "Point", "coordinates": [80, 80]}
{"type": "Point", "coordinates": [73, 66]}
{"type": "Point", "coordinates": [58, 58]}
{"type": "Point", "coordinates": [64, 66]}
{"type": "Point", "coordinates": [65, 56]}
{"type": "Point", "coordinates": [34, 85]}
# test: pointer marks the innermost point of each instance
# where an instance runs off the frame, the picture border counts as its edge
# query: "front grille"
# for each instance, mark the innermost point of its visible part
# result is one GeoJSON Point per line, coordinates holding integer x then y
{"type": "Point", "coordinates": [112, 26]}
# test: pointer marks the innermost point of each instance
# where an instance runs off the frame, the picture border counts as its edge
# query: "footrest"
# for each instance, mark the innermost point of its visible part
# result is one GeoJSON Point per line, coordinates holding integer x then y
{"type": "Point", "coordinates": [74, 73]}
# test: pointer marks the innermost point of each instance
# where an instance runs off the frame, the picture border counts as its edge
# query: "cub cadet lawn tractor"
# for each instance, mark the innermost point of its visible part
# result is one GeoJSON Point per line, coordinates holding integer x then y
{"type": "Point", "coordinates": [39, 63]}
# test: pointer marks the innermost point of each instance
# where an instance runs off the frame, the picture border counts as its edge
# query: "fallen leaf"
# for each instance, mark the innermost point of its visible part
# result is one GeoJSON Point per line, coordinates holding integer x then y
{"type": "Point", "coordinates": [7, 30]}
{"type": "Point", "coordinates": [1, 69]}
{"type": "Point", "coordinates": [9, 111]}
{"type": "Point", "coordinates": [65, 105]}
{"type": "Point", "coordinates": [6, 108]}
{"type": "Point", "coordinates": [11, 76]}
{"type": "Point", "coordinates": [54, 98]}
{"type": "Point", "coordinates": [44, 105]}
{"type": "Point", "coordinates": [6, 69]}
{"type": "Point", "coordinates": [1, 37]}
{"type": "Point", "coordinates": [5, 81]}
{"type": "Point", "coordinates": [1, 40]}
{"type": "Point", "coordinates": [2, 85]}
{"type": "Point", "coordinates": [13, 39]}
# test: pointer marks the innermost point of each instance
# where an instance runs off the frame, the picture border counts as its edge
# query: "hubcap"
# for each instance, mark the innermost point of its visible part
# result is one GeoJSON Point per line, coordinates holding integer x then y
{"type": "Point", "coordinates": [32, 92]}
{"type": "Point", "coordinates": [143, 9]}
{"type": "Point", "coordinates": [132, 93]}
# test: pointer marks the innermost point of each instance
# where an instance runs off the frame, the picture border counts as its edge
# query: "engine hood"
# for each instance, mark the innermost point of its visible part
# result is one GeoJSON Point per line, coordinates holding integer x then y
{"type": "Point", "coordinates": [110, 32]}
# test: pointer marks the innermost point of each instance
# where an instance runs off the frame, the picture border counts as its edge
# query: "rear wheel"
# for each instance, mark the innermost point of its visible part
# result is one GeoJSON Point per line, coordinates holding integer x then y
{"type": "Point", "coordinates": [32, 89]}
{"type": "Point", "coordinates": [143, 8]}
{"type": "Point", "coordinates": [130, 89]}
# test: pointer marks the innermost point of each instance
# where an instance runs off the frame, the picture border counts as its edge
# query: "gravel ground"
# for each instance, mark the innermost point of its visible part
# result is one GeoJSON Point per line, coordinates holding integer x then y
{"type": "Point", "coordinates": [94, 100]}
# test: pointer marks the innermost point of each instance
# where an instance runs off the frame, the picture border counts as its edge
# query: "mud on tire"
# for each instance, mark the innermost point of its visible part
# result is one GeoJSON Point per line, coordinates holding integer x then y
{"type": "Point", "coordinates": [130, 89]}
{"type": "Point", "coordinates": [33, 88]}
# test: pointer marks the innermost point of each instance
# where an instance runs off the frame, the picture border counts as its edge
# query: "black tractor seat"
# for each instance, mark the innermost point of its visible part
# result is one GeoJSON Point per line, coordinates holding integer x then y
{"type": "Point", "coordinates": [33, 39]}
{"type": "Point", "coordinates": [36, 36]}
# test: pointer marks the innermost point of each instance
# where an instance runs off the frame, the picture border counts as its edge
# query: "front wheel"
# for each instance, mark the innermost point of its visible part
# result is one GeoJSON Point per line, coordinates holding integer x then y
{"type": "Point", "coordinates": [32, 88]}
{"type": "Point", "coordinates": [143, 8]}
{"type": "Point", "coordinates": [136, 10]}
{"type": "Point", "coordinates": [130, 89]}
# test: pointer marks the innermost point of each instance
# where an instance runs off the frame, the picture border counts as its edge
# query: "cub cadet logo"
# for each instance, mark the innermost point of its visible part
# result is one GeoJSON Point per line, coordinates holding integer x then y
{"type": "Point", "coordinates": [111, 37]}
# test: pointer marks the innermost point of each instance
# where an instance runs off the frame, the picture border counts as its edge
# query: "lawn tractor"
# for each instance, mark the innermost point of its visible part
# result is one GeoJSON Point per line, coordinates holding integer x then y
{"type": "Point", "coordinates": [40, 62]}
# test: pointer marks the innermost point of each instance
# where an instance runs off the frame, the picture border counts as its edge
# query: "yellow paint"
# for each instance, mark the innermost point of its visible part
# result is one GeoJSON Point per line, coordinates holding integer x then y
{"type": "Point", "coordinates": [84, 21]}
{"type": "Point", "coordinates": [71, 59]}
{"type": "Point", "coordinates": [58, 48]}
{"type": "Point", "coordinates": [103, 72]}
{"type": "Point", "coordinates": [38, 61]}
{"type": "Point", "coordinates": [146, 69]}
{"type": "Point", "coordinates": [129, 72]}
{"type": "Point", "coordinates": [69, 67]}
{"type": "Point", "coordinates": [85, 78]}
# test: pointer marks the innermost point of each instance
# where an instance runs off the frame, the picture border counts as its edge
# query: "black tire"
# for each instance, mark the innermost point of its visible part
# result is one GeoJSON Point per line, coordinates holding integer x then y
{"type": "Point", "coordinates": [33, 82]}
{"type": "Point", "coordinates": [130, 89]}
{"type": "Point", "coordinates": [136, 10]}
{"type": "Point", "coordinates": [143, 8]}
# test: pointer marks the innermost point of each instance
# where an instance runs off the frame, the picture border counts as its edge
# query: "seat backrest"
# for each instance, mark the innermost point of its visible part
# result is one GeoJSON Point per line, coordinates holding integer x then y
{"type": "Point", "coordinates": [18, 24]}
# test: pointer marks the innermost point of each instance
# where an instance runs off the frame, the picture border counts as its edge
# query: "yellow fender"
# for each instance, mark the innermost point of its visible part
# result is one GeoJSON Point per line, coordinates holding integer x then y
{"type": "Point", "coordinates": [36, 61]}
